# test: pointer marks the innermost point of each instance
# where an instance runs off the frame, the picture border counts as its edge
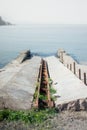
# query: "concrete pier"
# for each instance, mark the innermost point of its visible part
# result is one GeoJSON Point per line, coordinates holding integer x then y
{"type": "Point", "coordinates": [78, 69]}
{"type": "Point", "coordinates": [69, 87]}
{"type": "Point", "coordinates": [18, 83]}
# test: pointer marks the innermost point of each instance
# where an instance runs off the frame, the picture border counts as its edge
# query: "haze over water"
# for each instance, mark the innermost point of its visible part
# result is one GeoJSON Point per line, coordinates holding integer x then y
{"type": "Point", "coordinates": [44, 40]}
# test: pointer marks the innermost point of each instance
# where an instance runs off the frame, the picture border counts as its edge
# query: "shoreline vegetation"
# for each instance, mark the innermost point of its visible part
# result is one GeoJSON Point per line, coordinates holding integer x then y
{"type": "Point", "coordinates": [47, 119]}
{"type": "Point", "coordinates": [32, 116]}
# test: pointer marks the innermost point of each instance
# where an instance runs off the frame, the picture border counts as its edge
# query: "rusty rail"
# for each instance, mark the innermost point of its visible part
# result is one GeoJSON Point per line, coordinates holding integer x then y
{"type": "Point", "coordinates": [43, 99]}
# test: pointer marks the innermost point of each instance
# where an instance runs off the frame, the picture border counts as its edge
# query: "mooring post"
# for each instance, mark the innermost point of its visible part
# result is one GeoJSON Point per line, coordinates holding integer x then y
{"type": "Point", "coordinates": [71, 67]}
{"type": "Point", "coordinates": [74, 67]}
{"type": "Point", "coordinates": [80, 74]}
{"type": "Point", "coordinates": [84, 78]}
{"type": "Point", "coordinates": [62, 57]}
{"type": "Point", "coordinates": [67, 66]}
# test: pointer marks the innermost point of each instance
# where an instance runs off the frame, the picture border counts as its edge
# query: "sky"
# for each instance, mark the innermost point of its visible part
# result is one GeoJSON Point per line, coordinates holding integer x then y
{"type": "Point", "coordinates": [44, 11]}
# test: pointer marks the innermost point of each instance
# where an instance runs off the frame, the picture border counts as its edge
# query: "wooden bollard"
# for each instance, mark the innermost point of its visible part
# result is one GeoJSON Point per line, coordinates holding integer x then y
{"type": "Point", "coordinates": [61, 57]}
{"type": "Point", "coordinates": [74, 67]}
{"type": "Point", "coordinates": [71, 67]}
{"type": "Point", "coordinates": [67, 66]}
{"type": "Point", "coordinates": [80, 74]}
{"type": "Point", "coordinates": [84, 78]}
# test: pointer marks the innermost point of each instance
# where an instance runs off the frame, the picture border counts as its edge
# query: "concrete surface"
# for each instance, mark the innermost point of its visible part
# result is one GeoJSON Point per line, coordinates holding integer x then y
{"type": "Point", "coordinates": [68, 86]}
{"type": "Point", "coordinates": [17, 84]}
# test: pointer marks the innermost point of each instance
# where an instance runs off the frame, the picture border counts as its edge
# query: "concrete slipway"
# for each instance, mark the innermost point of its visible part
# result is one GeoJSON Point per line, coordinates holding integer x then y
{"type": "Point", "coordinates": [18, 83]}
{"type": "Point", "coordinates": [68, 86]}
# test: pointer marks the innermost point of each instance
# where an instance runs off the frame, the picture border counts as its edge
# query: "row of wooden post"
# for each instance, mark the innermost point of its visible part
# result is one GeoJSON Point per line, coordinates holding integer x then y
{"type": "Point", "coordinates": [74, 71]}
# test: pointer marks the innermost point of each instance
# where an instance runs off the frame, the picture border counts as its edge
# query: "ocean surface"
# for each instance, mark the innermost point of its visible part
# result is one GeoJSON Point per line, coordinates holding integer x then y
{"type": "Point", "coordinates": [44, 40]}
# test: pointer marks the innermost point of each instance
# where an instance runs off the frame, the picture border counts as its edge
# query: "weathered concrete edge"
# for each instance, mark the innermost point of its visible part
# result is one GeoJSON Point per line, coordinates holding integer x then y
{"type": "Point", "coordinates": [61, 53]}
{"type": "Point", "coordinates": [75, 105]}
{"type": "Point", "coordinates": [24, 56]}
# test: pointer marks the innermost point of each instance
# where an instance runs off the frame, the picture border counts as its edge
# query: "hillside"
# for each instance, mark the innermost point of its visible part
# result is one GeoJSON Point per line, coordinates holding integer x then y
{"type": "Point", "coordinates": [2, 22]}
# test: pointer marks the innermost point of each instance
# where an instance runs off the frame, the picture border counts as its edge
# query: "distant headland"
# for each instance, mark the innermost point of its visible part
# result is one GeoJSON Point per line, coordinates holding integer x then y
{"type": "Point", "coordinates": [2, 22]}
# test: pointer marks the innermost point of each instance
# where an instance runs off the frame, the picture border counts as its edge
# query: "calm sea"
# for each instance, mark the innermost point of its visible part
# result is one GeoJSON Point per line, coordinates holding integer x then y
{"type": "Point", "coordinates": [44, 40]}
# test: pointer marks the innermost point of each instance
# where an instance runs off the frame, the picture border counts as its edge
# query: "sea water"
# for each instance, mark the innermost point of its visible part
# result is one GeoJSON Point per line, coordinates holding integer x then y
{"type": "Point", "coordinates": [43, 40]}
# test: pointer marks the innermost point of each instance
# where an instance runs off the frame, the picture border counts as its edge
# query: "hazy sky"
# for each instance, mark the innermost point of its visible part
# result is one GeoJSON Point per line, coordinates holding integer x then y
{"type": "Point", "coordinates": [44, 11]}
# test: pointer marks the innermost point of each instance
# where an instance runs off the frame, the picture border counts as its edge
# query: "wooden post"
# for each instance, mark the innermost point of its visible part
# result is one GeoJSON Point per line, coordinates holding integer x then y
{"type": "Point", "coordinates": [84, 78]}
{"type": "Point", "coordinates": [74, 67]}
{"type": "Point", "coordinates": [80, 74]}
{"type": "Point", "coordinates": [62, 57]}
{"type": "Point", "coordinates": [71, 67]}
{"type": "Point", "coordinates": [67, 66]}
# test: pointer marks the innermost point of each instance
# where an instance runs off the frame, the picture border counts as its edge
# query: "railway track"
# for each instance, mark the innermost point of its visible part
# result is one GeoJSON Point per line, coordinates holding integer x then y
{"type": "Point", "coordinates": [42, 96]}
